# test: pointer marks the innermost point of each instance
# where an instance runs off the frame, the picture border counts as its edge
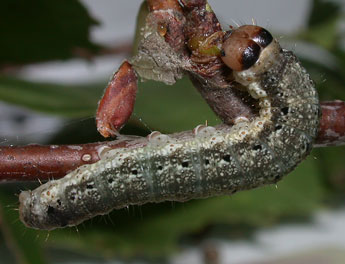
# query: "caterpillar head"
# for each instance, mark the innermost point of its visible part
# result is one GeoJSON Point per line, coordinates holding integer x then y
{"type": "Point", "coordinates": [249, 48]}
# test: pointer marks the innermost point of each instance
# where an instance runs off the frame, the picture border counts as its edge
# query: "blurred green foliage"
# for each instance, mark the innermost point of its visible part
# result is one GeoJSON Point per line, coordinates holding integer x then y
{"type": "Point", "coordinates": [41, 30]}
{"type": "Point", "coordinates": [37, 33]}
{"type": "Point", "coordinates": [71, 101]}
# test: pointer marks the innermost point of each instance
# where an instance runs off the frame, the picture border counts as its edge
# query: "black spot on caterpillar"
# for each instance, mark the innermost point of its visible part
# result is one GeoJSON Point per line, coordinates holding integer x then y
{"type": "Point", "coordinates": [207, 161]}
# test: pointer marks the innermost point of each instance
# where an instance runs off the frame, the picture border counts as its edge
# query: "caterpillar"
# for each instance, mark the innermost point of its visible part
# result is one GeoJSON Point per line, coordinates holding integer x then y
{"type": "Point", "coordinates": [206, 161]}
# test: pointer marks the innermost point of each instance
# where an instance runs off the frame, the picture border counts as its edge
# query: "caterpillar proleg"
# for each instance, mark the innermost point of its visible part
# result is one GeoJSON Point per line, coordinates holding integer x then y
{"type": "Point", "coordinates": [206, 161]}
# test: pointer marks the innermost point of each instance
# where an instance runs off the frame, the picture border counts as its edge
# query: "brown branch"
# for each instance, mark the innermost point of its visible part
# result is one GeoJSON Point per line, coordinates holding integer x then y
{"type": "Point", "coordinates": [332, 124]}
{"type": "Point", "coordinates": [35, 162]}
{"type": "Point", "coordinates": [202, 32]}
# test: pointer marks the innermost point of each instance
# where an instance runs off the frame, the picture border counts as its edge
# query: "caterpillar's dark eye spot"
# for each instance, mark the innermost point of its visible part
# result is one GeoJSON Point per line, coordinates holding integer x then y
{"type": "Point", "coordinates": [89, 186]}
{"type": "Point", "coordinates": [285, 110]}
{"type": "Point", "coordinates": [135, 172]}
{"type": "Point", "coordinates": [250, 55]}
{"type": "Point", "coordinates": [227, 158]}
{"type": "Point", "coordinates": [258, 34]}
{"type": "Point", "coordinates": [50, 210]}
{"type": "Point", "coordinates": [257, 147]}
{"type": "Point", "coordinates": [240, 53]}
{"type": "Point", "coordinates": [263, 38]}
{"type": "Point", "coordinates": [59, 202]}
{"type": "Point", "coordinates": [185, 164]}
{"type": "Point", "coordinates": [160, 167]}
{"type": "Point", "coordinates": [278, 127]}
{"type": "Point", "coordinates": [110, 180]}
{"type": "Point", "coordinates": [207, 162]}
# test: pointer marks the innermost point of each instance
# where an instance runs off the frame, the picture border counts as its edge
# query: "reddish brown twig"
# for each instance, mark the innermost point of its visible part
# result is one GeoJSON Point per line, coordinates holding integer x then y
{"type": "Point", "coordinates": [332, 125]}
{"type": "Point", "coordinates": [34, 162]}
{"type": "Point", "coordinates": [37, 162]}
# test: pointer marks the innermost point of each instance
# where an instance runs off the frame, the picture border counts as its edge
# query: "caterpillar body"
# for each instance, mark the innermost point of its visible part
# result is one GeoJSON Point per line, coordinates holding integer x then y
{"type": "Point", "coordinates": [206, 161]}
